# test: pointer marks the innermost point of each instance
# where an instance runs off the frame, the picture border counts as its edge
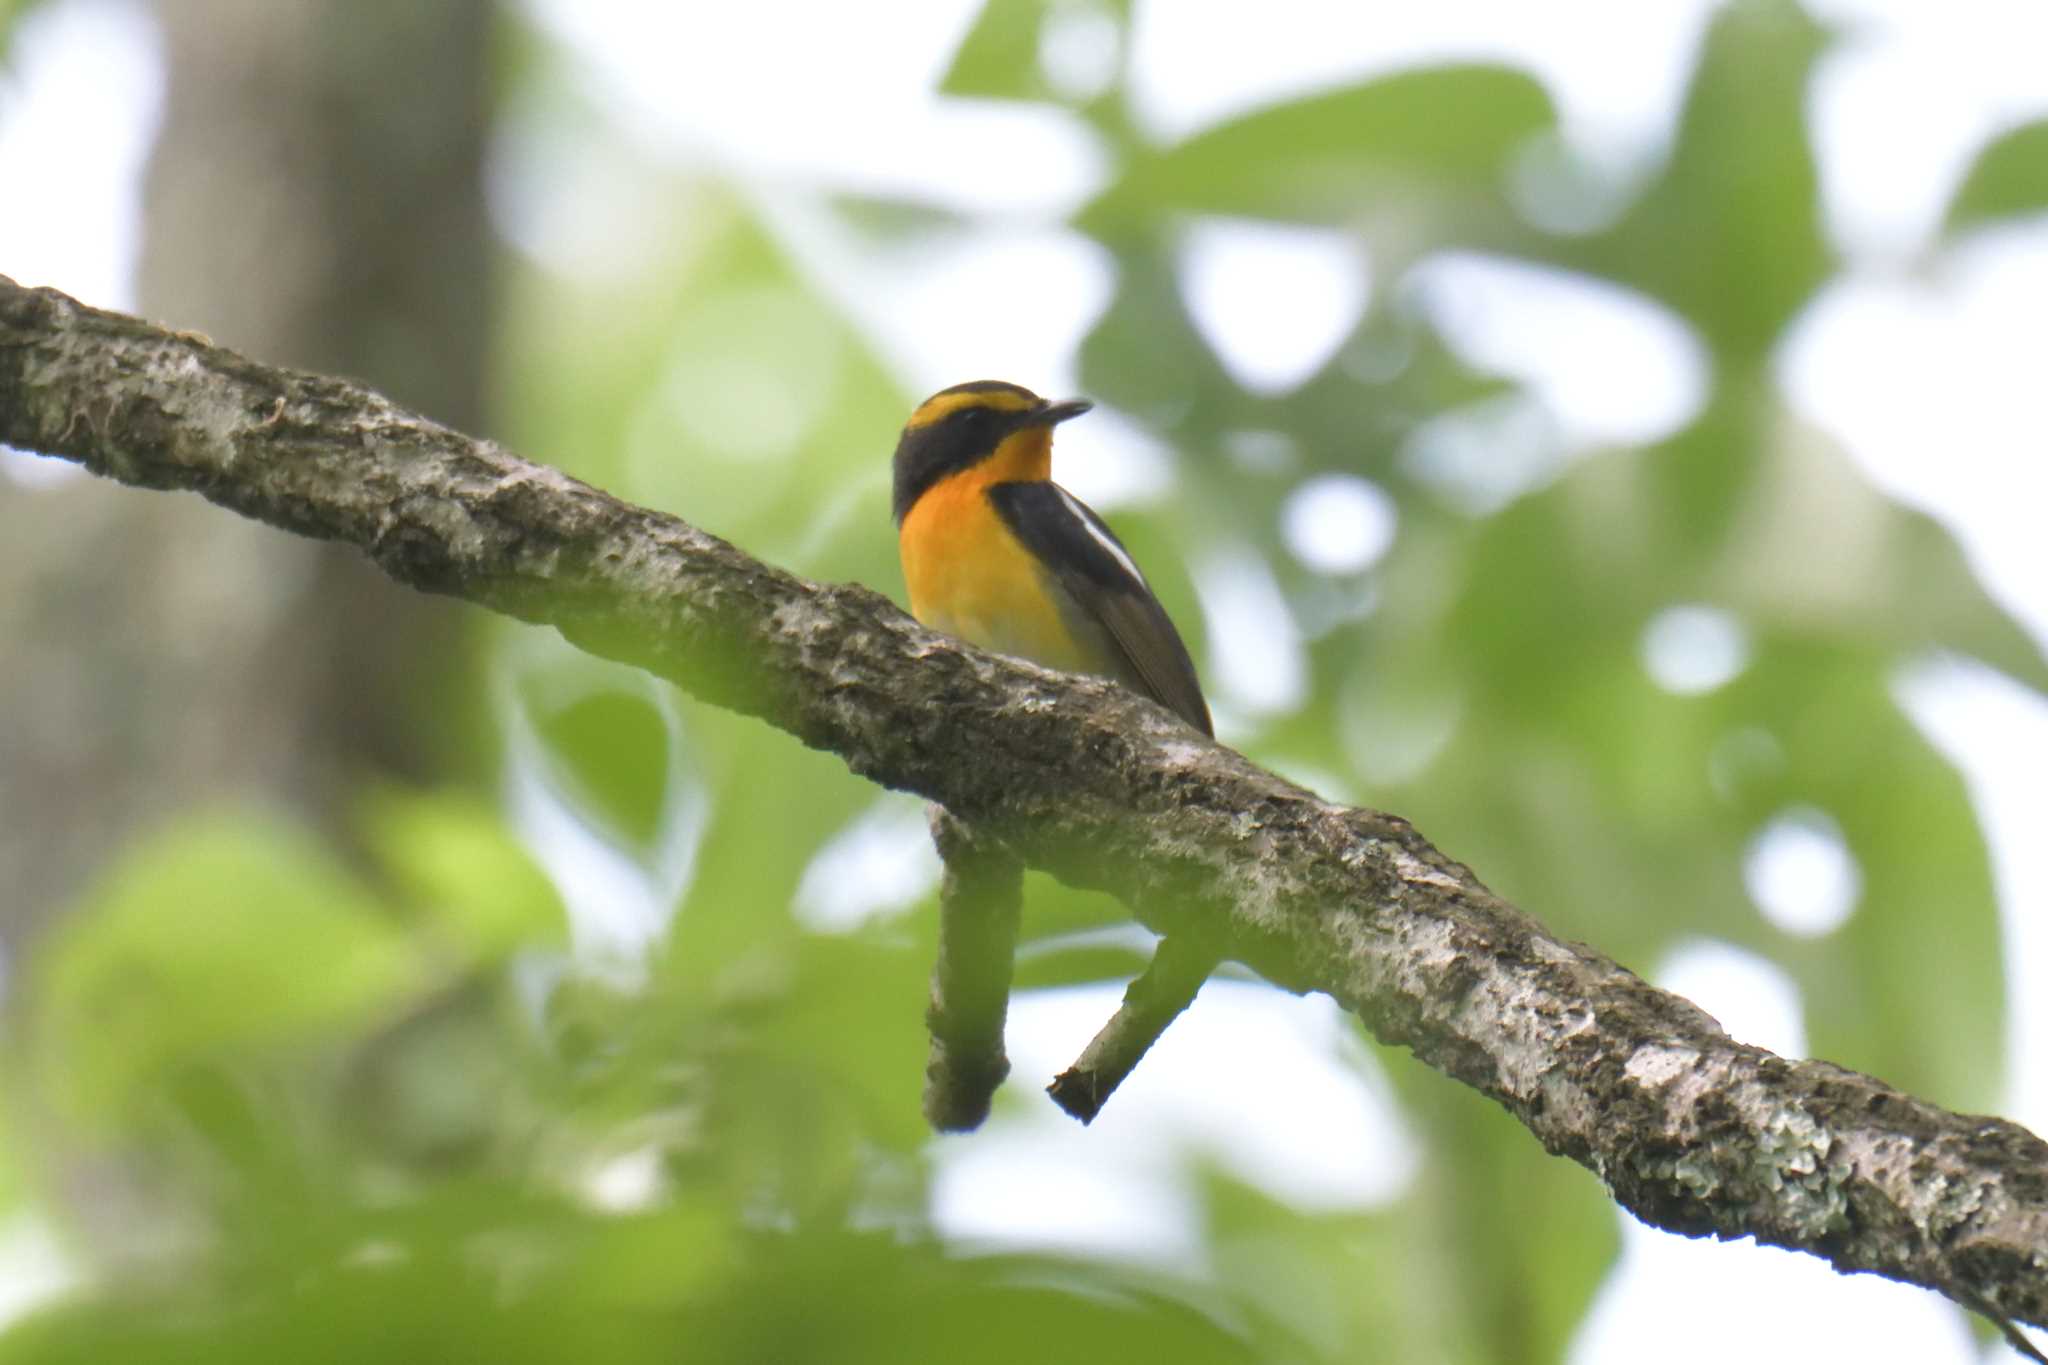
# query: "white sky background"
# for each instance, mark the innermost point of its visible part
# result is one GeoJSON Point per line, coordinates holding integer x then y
{"type": "Point", "coordinates": [1923, 369]}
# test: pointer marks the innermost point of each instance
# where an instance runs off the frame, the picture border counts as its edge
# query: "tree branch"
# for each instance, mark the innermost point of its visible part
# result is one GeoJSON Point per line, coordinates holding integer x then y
{"type": "Point", "coordinates": [1691, 1130]}
{"type": "Point", "coordinates": [980, 902]}
{"type": "Point", "coordinates": [1167, 986]}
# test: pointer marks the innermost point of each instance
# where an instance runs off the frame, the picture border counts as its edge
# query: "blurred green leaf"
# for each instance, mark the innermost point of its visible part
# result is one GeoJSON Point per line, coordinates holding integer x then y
{"type": "Point", "coordinates": [824, 1073]}
{"type": "Point", "coordinates": [13, 1147]}
{"type": "Point", "coordinates": [1911, 988]}
{"type": "Point", "coordinates": [760, 841]}
{"type": "Point", "coordinates": [223, 935]}
{"type": "Point", "coordinates": [2009, 179]}
{"type": "Point", "coordinates": [454, 861]}
{"type": "Point", "coordinates": [724, 386]}
{"type": "Point", "coordinates": [999, 58]}
{"type": "Point", "coordinates": [499, 1274]}
{"type": "Point", "coordinates": [1817, 547]}
{"type": "Point", "coordinates": [1564, 741]}
{"type": "Point", "coordinates": [1146, 356]}
{"type": "Point", "coordinates": [1410, 153]}
{"type": "Point", "coordinates": [1502, 1245]}
{"type": "Point", "coordinates": [609, 748]}
{"type": "Point", "coordinates": [872, 1298]}
{"type": "Point", "coordinates": [1729, 232]}
{"type": "Point", "coordinates": [1941, 602]}
{"type": "Point", "coordinates": [451, 1281]}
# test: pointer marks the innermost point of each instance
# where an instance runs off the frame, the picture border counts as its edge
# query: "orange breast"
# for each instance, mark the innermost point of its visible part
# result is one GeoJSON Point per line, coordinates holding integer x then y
{"type": "Point", "coordinates": [969, 577]}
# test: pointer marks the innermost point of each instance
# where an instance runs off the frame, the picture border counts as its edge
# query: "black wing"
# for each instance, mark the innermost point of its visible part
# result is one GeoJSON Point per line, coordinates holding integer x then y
{"type": "Point", "coordinates": [1107, 593]}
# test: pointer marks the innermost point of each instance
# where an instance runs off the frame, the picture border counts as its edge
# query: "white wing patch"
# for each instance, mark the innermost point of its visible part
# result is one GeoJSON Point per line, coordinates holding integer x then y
{"type": "Point", "coordinates": [1102, 537]}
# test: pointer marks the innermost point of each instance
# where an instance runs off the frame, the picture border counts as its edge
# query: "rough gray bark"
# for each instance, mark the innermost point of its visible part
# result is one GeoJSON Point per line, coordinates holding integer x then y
{"type": "Point", "coordinates": [1691, 1130]}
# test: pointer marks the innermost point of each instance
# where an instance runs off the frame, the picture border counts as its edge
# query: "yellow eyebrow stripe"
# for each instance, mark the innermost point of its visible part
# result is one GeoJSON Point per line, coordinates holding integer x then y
{"type": "Point", "coordinates": [944, 405]}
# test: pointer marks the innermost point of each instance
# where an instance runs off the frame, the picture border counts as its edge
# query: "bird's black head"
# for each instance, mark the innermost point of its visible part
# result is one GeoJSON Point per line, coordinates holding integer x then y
{"type": "Point", "coordinates": [957, 428]}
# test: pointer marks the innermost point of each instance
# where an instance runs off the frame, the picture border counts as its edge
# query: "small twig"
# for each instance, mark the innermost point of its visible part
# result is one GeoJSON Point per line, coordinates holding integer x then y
{"type": "Point", "coordinates": [2018, 1340]}
{"type": "Point", "coordinates": [2014, 1337]}
{"type": "Point", "coordinates": [979, 903]}
{"type": "Point", "coordinates": [1167, 986]}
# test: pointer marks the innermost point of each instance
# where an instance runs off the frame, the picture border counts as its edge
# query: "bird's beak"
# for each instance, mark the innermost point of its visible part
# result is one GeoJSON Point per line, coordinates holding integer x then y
{"type": "Point", "coordinates": [1052, 414]}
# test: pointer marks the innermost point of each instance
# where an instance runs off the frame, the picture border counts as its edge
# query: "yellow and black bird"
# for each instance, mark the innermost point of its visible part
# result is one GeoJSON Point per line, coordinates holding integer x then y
{"type": "Point", "coordinates": [998, 554]}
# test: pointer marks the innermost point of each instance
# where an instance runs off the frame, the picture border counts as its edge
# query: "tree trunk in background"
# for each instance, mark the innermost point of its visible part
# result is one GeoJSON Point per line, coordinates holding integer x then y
{"type": "Point", "coordinates": [315, 198]}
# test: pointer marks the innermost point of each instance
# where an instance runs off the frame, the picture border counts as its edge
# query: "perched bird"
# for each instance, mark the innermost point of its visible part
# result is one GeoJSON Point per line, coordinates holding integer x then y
{"type": "Point", "coordinates": [998, 554]}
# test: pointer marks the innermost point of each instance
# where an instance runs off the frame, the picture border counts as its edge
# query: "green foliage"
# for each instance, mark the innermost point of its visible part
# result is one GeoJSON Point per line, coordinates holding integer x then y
{"type": "Point", "coordinates": [475, 894]}
{"type": "Point", "coordinates": [2010, 179]}
{"type": "Point", "coordinates": [219, 937]}
{"type": "Point", "coordinates": [996, 60]}
{"type": "Point", "coordinates": [401, 1119]}
{"type": "Point", "coordinates": [1729, 232]}
{"type": "Point", "coordinates": [827, 1296]}
{"type": "Point", "coordinates": [772, 1113]}
{"type": "Point", "coordinates": [1424, 144]}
